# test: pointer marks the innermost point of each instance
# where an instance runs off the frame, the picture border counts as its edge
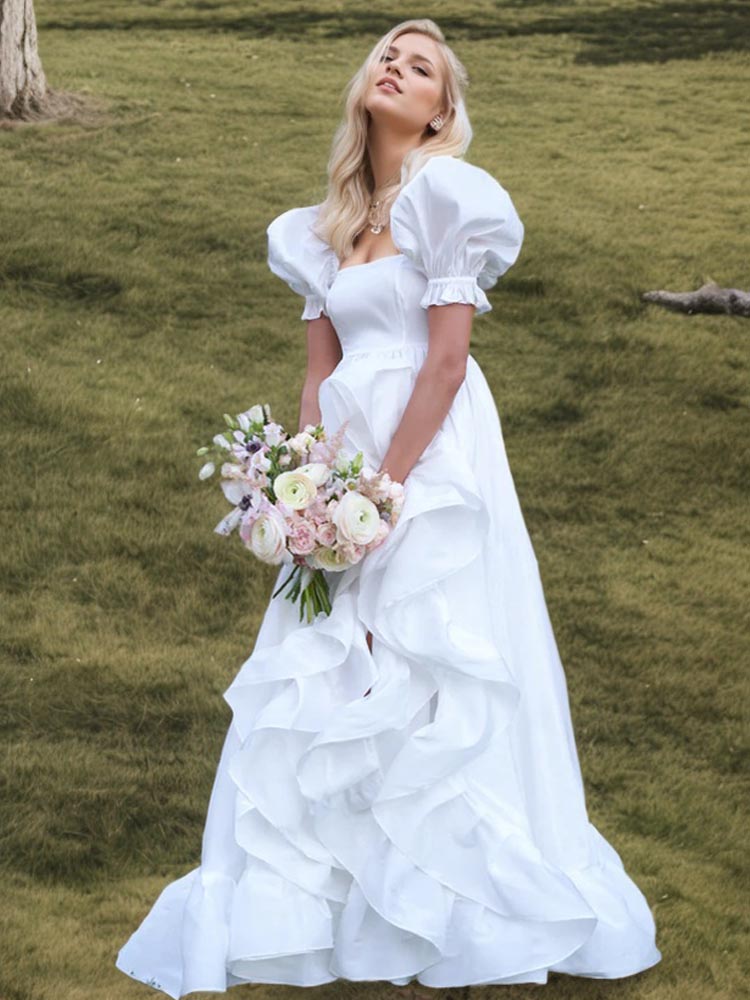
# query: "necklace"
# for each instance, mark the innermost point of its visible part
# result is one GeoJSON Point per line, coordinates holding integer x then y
{"type": "Point", "coordinates": [376, 225]}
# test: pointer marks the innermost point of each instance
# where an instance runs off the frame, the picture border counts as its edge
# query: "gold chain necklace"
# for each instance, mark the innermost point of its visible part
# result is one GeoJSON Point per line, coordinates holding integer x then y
{"type": "Point", "coordinates": [376, 226]}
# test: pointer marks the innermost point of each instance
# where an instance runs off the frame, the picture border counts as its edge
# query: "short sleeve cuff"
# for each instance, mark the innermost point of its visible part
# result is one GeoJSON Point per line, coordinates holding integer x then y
{"type": "Point", "coordinates": [314, 307]}
{"type": "Point", "coordinates": [443, 291]}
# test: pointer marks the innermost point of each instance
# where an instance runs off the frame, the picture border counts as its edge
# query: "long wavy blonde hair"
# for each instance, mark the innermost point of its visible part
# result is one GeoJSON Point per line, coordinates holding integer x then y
{"type": "Point", "coordinates": [343, 213]}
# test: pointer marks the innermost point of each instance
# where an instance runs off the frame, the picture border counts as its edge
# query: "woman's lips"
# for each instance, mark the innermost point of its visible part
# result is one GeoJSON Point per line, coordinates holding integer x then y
{"type": "Point", "coordinates": [387, 85]}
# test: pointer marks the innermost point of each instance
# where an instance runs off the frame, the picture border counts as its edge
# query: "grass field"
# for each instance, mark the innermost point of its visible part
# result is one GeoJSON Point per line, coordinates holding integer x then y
{"type": "Point", "coordinates": [136, 306]}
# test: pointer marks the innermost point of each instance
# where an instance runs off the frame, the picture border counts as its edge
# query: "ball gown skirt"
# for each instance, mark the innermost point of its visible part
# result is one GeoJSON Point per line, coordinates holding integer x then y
{"type": "Point", "coordinates": [415, 811]}
{"type": "Point", "coordinates": [435, 828]}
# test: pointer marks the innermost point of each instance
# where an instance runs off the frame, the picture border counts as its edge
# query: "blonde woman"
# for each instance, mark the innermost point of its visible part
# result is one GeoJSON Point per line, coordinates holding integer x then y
{"type": "Point", "coordinates": [399, 796]}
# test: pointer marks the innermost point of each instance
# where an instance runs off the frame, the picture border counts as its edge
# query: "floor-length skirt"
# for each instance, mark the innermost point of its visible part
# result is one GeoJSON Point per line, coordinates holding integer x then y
{"type": "Point", "coordinates": [434, 828]}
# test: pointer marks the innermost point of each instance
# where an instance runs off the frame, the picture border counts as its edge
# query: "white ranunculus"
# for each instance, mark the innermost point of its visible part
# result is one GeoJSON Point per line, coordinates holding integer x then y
{"type": "Point", "coordinates": [317, 471]}
{"type": "Point", "coordinates": [221, 441]}
{"type": "Point", "coordinates": [384, 529]}
{"type": "Point", "coordinates": [356, 518]}
{"type": "Point", "coordinates": [268, 537]}
{"type": "Point", "coordinates": [294, 488]}
{"type": "Point", "coordinates": [206, 470]}
{"type": "Point", "coordinates": [328, 559]}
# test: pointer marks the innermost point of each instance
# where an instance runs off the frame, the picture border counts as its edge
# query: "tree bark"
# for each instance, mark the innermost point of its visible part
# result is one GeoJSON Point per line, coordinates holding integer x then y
{"type": "Point", "coordinates": [23, 86]}
{"type": "Point", "coordinates": [709, 298]}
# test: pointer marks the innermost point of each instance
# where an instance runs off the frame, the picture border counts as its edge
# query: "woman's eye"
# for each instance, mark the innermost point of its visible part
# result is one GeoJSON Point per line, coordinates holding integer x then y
{"type": "Point", "coordinates": [421, 70]}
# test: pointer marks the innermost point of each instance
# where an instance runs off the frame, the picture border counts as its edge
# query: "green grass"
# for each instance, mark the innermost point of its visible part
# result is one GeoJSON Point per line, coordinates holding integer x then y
{"type": "Point", "coordinates": [136, 306]}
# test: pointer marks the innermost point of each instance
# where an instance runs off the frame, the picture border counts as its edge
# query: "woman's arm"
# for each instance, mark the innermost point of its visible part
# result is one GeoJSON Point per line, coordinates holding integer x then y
{"type": "Point", "coordinates": [435, 387]}
{"type": "Point", "coordinates": [323, 354]}
{"type": "Point", "coordinates": [437, 382]}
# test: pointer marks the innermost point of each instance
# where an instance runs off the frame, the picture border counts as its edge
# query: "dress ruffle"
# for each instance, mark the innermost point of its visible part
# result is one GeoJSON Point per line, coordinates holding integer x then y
{"type": "Point", "coordinates": [372, 836]}
{"type": "Point", "coordinates": [442, 291]}
{"type": "Point", "coordinates": [314, 306]}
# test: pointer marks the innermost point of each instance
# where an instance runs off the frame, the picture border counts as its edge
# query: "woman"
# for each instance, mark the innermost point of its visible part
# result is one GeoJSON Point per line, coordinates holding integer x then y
{"type": "Point", "coordinates": [399, 795]}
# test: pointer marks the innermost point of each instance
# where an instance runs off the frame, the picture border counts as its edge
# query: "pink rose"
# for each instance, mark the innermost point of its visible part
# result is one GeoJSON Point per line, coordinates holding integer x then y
{"type": "Point", "coordinates": [327, 534]}
{"type": "Point", "coordinates": [351, 553]}
{"type": "Point", "coordinates": [302, 540]}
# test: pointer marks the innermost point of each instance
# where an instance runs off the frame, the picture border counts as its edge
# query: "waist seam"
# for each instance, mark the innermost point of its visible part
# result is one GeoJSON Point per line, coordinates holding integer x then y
{"type": "Point", "coordinates": [385, 351]}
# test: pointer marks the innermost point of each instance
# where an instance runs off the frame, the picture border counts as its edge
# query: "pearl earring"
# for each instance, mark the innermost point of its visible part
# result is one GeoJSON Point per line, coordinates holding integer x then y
{"type": "Point", "coordinates": [437, 123]}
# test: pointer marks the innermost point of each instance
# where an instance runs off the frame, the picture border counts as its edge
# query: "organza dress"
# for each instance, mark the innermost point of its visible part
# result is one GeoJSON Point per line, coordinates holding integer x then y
{"type": "Point", "coordinates": [434, 828]}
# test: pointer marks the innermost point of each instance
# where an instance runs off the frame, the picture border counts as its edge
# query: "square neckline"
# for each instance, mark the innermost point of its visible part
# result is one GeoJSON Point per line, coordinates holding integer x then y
{"type": "Point", "coordinates": [367, 263]}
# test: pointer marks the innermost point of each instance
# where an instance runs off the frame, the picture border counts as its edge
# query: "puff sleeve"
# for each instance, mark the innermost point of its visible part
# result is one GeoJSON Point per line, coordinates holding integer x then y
{"type": "Point", "coordinates": [458, 225]}
{"type": "Point", "coordinates": [300, 258]}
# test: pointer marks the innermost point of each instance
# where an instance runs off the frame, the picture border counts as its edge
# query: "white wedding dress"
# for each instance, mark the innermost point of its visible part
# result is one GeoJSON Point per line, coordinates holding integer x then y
{"type": "Point", "coordinates": [434, 828]}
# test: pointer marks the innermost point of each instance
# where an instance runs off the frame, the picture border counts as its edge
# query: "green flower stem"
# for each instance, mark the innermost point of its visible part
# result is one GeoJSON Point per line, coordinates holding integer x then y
{"type": "Point", "coordinates": [313, 599]}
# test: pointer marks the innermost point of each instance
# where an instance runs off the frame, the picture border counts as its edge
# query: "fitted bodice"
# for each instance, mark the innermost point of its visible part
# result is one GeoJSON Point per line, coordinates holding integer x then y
{"type": "Point", "coordinates": [375, 305]}
{"type": "Point", "coordinates": [456, 230]}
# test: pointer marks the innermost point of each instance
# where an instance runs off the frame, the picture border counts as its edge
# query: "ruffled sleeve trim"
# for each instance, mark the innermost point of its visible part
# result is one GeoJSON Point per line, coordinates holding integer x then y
{"type": "Point", "coordinates": [314, 307]}
{"type": "Point", "coordinates": [443, 291]}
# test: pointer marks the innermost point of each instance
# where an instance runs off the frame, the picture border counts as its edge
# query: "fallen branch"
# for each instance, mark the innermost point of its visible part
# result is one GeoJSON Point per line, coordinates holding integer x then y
{"type": "Point", "coordinates": [709, 298]}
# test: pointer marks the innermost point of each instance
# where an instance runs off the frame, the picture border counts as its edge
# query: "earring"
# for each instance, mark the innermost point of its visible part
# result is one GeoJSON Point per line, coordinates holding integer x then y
{"type": "Point", "coordinates": [437, 123]}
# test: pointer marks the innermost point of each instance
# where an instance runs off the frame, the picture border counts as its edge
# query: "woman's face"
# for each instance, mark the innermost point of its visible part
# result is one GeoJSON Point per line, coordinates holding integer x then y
{"type": "Point", "coordinates": [413, 64]}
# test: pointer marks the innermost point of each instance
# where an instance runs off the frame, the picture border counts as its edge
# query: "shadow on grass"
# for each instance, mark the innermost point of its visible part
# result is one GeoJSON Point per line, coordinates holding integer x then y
{"type": "Point", "coordinates": [646, 33]}
{"type": "Point", "coordinates": [56, 283]}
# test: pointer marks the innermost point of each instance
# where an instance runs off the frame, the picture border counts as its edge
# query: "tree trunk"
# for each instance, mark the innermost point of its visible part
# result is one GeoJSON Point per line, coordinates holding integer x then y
{"type": "Point", "coordinates": [23, 87]}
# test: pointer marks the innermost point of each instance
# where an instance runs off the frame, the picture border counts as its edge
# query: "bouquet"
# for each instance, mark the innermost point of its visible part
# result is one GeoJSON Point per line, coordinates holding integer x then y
{"type": "Point", "coordinates": [300, 500]}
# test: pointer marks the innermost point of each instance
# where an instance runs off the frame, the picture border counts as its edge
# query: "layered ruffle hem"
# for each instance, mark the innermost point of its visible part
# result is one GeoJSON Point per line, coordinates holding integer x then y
{"type": "Point", "coordinates": [435, 828]}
